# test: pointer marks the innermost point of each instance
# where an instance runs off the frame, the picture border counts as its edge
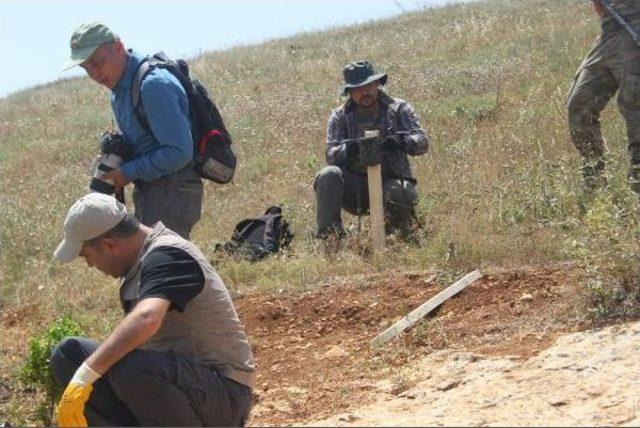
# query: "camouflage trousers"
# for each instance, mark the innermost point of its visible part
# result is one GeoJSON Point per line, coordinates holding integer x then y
{"type": "Point", "coordinates": [613, 65]}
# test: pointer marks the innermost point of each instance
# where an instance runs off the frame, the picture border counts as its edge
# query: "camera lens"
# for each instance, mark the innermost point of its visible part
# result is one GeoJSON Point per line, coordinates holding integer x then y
{"type": "Point", "coordinates": [100, 186]}
{"type": "Point", "coordinates": [107, 163]}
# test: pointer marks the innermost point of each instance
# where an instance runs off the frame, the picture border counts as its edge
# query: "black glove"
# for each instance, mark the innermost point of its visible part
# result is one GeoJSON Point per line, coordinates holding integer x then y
{"type": "Point", "coordinates": [352, 149]}
{"type": "Point", "coordinates": [392, 143]}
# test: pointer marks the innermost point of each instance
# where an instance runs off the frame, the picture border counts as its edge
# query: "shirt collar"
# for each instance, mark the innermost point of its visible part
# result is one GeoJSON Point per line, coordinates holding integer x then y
{"type": "Point", "coordinates": [158, 229]}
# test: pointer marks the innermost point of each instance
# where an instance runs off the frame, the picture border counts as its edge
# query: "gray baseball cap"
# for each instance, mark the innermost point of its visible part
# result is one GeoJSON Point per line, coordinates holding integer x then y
{"type": "Point", "coordinates": [85, 40]}
{"type": "Point", "coordinates": [89, 217]}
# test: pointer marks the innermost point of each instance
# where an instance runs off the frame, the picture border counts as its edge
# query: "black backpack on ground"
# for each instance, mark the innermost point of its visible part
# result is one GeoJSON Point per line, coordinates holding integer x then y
{"type": "Point", "coordinates": [255, 238]}
{"type": "Point", "coordinates": [213, 155]}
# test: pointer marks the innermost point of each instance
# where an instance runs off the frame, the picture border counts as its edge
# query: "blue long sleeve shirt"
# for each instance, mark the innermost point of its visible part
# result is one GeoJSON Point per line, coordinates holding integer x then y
{"type": "Point", "coordinates": [169, 146]}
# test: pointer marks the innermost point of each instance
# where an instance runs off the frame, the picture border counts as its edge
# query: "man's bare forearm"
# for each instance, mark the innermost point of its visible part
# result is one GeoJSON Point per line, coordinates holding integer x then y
{"type": "Point", "coordinates": [133, 331]}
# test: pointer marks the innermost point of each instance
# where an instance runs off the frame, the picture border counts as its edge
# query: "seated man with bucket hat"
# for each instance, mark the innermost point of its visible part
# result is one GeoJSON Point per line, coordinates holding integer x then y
{"type": "Point", "coordinates": [343, 183]}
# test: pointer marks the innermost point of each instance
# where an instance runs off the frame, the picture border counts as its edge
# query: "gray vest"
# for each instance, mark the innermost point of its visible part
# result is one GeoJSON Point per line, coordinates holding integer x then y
{"type": "Point", "coordinates": [209, 329]}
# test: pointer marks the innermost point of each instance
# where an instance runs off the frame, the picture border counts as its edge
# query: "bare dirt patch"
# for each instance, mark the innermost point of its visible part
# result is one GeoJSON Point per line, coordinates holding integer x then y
{"type": "Point", "coordinates": [312, 349]}
{"type": "Point", "coordinates": [16, 326]}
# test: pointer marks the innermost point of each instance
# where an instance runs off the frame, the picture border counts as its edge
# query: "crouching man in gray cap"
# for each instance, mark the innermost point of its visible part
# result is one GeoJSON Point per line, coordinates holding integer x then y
{"type": "Point", "coordinates": [343, 184]}
{"type": "Point", "coordinates": [179, 357]}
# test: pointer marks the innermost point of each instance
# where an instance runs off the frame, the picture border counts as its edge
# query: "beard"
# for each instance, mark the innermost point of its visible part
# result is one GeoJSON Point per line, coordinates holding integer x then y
{"type": "Point", "coordinates": [366, 101]}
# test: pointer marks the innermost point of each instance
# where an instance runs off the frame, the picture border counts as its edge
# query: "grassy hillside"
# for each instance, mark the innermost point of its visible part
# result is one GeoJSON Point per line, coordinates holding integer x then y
{"type": "Point", "coordinates": [500, 186]}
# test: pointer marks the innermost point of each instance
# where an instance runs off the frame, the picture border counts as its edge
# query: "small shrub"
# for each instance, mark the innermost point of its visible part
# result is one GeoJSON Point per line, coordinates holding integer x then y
{"type": "Point", "coordinates": [608, 251]}
{"type": "Point", "coordinates": [37, 371]}
{"type": "Point", "coordinates": [615, 300]}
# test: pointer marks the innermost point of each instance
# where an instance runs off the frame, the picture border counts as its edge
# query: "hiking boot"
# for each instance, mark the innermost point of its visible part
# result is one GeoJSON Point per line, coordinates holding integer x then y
{"type": "Point", "coordinates": [404, 231]}
{"type": "Point", "coordinates": [410, 237]}
{"type": "Point", "coordinates": [593, 179]}
{"type": "Point", "coordinates": [334, 232]}
{"type": "Point", "coordinates": [634, 177]}
{"type": "Point", "coordinates": [332, 244]}
{"type": "Point", "coordinates": [592, 176]}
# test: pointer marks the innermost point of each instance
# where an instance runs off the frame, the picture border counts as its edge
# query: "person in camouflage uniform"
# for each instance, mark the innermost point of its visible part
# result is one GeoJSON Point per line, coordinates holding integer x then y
{"type": "Point", "coordinates": [613, 64]}
{"type": "Point", "coordinates": [343, 183]}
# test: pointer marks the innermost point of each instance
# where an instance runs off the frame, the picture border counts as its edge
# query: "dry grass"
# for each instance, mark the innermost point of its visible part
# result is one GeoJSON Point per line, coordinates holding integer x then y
{"type": "Point", "coordinates": [499, 187]}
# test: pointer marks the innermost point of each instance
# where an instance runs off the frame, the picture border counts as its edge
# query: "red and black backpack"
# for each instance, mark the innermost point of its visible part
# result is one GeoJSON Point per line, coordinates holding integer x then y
{"type": "Point", "coordinates": [213, 154]}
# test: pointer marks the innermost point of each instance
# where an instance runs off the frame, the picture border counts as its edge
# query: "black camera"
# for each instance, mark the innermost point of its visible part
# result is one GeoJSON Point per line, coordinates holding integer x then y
{"type": "Point", "coordinates": [114, 150]}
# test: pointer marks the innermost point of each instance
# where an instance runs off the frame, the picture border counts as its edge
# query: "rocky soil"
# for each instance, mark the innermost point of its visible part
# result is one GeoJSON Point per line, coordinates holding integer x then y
{"type": "Point", "coordinates": [516, 347]}
{"type": "Point", "coordinates": [479, 359]}
{"type": "Point", "coordinates": [590, 378]}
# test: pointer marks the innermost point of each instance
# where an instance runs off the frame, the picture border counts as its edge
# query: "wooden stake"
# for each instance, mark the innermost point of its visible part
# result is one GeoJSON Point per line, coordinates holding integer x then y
{"type": "Point", "coordinates": [418, 313]}
{"type": "Point", "coordinates": [376, 208]}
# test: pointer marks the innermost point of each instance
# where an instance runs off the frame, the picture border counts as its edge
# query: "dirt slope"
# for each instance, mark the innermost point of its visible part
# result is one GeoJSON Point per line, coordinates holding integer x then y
{"type": "Point", "coordinates": [498, 353]}
{"type": "Point", "coordinates": [312, 349]}
{"type": "Point", "coordinates": [585, 379]}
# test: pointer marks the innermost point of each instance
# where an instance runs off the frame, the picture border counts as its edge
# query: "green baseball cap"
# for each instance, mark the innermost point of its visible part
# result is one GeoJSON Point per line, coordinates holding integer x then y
{"type": "Point", "coordinates": [85, 40]}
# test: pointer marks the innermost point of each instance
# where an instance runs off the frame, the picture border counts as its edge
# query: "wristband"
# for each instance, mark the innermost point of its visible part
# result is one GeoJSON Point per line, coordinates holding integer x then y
{"type": "Point", "coordinates": [85, 375]}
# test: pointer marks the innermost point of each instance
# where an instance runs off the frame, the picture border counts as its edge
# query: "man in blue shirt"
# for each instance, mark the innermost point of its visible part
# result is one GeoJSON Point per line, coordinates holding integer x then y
{"type": "Point", "coordinates": [167, 187]}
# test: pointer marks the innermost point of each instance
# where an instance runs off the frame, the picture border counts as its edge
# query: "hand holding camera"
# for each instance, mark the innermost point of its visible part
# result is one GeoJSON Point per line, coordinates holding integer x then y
{"type": "Point", "coordinates": [106, 176]}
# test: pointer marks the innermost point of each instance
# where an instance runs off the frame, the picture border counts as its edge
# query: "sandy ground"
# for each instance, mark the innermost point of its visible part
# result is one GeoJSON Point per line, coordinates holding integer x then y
{"type": "Point", "coordinates": [585, 379]}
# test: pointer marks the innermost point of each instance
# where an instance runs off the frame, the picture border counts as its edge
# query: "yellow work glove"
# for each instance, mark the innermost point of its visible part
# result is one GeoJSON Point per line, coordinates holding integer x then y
{"type": "Point", "coordinates": [70, 410]}
{"type": "Point", "coordinates": [71, 407]}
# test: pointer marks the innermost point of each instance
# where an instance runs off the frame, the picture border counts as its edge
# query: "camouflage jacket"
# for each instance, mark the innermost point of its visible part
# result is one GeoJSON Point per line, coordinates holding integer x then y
{"type": "Point", "coordinates": [396, 116]}
{"type": "Point", "coordinates": [629, 10]}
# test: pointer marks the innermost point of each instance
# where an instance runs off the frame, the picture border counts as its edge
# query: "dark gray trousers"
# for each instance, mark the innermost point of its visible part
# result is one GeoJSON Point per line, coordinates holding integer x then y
{"type": "Point", "coordinates": [338, 188]}
{"type": "Point", "coordinates": [148, 388]}
{"type": "Point", "coordinates": [175, 200]}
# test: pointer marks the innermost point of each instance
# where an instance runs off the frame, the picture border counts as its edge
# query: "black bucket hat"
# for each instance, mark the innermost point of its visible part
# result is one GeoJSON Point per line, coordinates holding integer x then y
{"type": "Point", "coordinates": [360, 73]}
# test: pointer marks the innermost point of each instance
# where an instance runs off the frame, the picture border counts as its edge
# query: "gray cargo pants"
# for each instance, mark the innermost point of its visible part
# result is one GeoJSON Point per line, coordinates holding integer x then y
{"type": "Point", "coordinates": [338, 188]}
{"type": "Point", "coordinates": [613, 64]}
{"type": "Point", "coordinates": [175, 200]}
{"type": "Point", "coordinates": [148, 388]}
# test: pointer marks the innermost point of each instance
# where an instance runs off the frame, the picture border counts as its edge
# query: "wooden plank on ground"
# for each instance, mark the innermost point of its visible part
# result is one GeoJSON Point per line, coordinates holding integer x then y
{"type": "Point", "coordinates": [422, 310]}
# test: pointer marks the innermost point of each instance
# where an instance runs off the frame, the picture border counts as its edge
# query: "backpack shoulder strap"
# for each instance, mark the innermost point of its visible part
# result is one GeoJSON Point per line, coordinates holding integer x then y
{"type": "Point", "coordinates": [145, 67]}
{"type": "Point", "coordinates": [275, 209]}
{"type": "Point", "coordinates": [244, 229]}
{"type": "Point", "coordinates": [272, 231]}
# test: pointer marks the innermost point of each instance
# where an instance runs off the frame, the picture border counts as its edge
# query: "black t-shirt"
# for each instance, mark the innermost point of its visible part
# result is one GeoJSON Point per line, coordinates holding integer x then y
{"type": "Point", "coordinates": [172, 274]}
